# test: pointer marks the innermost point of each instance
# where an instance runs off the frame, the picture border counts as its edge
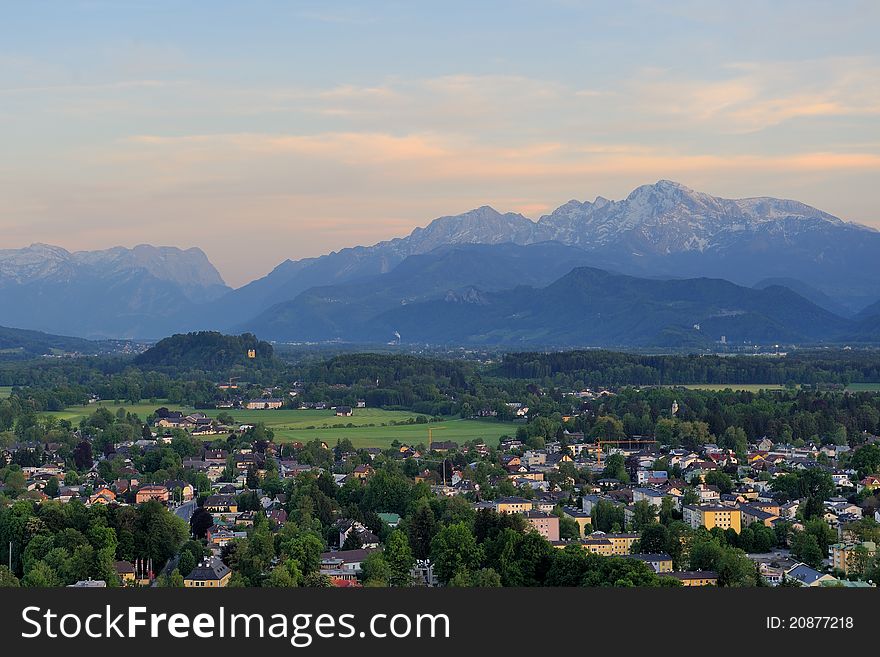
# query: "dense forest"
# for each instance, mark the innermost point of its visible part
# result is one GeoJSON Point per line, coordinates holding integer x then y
{"type": "Point", "coordinates": [608, 368]}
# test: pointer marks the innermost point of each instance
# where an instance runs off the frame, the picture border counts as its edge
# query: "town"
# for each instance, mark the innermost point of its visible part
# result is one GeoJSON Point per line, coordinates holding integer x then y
{"type": "Point", "coordinates": [562, 485]}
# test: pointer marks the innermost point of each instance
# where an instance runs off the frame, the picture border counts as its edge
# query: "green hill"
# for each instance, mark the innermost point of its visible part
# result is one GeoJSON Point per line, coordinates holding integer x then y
{"type": "Point", "coordinates": [209, 351]}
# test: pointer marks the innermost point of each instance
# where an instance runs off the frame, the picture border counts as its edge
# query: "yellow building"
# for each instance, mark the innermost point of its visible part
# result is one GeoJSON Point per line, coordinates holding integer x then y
{"type": "Point", "coordinates": [696, 578]}
{"type": "Point", "coordinates": [598, 546]}
{"type": "Point", "coordinates": [584, 521]}
{"type": "Point", "coordinates": [844, 556]}
{"type": "Point", "coordinates": [709, 516]}
{"type": "Point", "coordinates": [210, 573]}
{"type": "Point", "coordinates": [620, 543]}
{"type": "Point", "coordinates": [512, 505]}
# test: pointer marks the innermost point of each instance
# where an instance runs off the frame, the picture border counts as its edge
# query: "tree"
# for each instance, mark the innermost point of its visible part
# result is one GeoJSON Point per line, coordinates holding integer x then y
{"type": "Point", "coordinates": [399, 557]}
{"type": "Point", "coordinates": [454, 549]}
{"type": "Point", "coordinates": [200, 522]}
{"type": "Point", "coordinates": [654, 538]}
{"type": "Point", "coordinates": [284, 575]}
{"type": "Point", "coordinates": [644, 515]}
{"type": "Point", "coordinates": [805, 547]}
{"type": "Point", "coordinates": [615, 468]}
{"type": "Point", "coordinates": [421, 530]}
{"type": "Point", "coordinates": [823, 532]}
{"type": "Point", "coordinates": [483, 578]}
{"type": "Point", "coordinates": [720, 479]}
{"type": "Point", "coordinates": [51, 488]}
{"type": "Point", "coordinates": [82, 455]}
{"type": "Point", "coordinates": [41, 575]}
{"type": "Point", "coordinates": [607, 516]}
{"type": "Point", "coordinates": [7, 579]}
{"type": "Point", "coordinates": [186, 562]}
{"type": "Point", "coordinates": [866, 459]}
{"type": "Point", "coordinates": [317, 581]}
{"type": "Point", "coordinates": [569, 529]}
{"type": "Point", "coordinates": [375, 570]}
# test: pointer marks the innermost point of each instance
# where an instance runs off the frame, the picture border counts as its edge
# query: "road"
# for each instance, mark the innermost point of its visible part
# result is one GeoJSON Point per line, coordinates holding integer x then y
{"type": "Point", "coordinates": [185, 510]}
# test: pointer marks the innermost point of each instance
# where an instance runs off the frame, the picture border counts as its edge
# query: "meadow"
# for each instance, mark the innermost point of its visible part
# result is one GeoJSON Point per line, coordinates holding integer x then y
{"type": "Point", "coordinates": [369, 427]}
{"type": "Point", "coordinates": [5, 391]}
{"type": "Point", "coordinates": [736, 387]}
{"type": "Point", "coordinates": [863, 387]}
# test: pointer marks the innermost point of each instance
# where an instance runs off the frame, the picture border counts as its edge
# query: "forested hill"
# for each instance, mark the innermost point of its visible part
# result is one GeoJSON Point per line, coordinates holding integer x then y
{"type": "Point", "coordinates": [208, 351]}
{"type": "Point", "coordinates": [22, 343]}
{"type": "Point", "coordinates": [611, 368]}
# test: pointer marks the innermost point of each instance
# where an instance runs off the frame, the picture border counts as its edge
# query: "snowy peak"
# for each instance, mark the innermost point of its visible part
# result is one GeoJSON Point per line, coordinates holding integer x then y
{"type": "Point", "coordinates": [38, 262]}
{"type": "Point", "coordinates": [668, 217]}
{"type": "Point", "coordinates": [483, 225]}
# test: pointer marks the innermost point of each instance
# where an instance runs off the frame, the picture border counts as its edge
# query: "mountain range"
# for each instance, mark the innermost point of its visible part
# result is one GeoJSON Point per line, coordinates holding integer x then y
{"type": "Point", "coordinates": [114, 293]}
{"type": "Point", "coordinates": [667, 254]}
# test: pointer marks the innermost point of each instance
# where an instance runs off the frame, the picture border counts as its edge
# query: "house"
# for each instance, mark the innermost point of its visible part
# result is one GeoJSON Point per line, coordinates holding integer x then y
{"type": "Point", "coordinates": [390, 519]}
{"type": "Point", "coordinates": [710, 516]}
{"type": "Point", "coordinates": [363, 472]}
{"type": "Point", "coordinates": [125, 571]}
{"type": "Point", "coordinates": [152, 492]}
{"type": "Point", "coordinates": [102, 496]}
{"type": "Point", "coordinates": [89, 584]}
{"type": "Point", "coordinates": [870, 483]}
{"type": "Point", "coordinates": [546, 524]}
{"type": "Point", "coordinates": [209, 573]}
{"type": "Point", "coordinates": [221, 537]}
{"type": "Point", "coordinates": [807, 576]}
{"type": "Point", "coordinates": [264, 404]}
{"type": "Point", "coordinates": [343, 411]}
{"type": "Point", "coordinates": [512, 505]}
{"type": "Point", "coordinates": [751, 513]}
{"type": "Point", "coordinates": [845, 556]}
{"type": "Point", "coordinates": [649, 495]}
{"type": "Point", "coordinates": [187, 492]}
{"type": "Point", "coordinates": [347, 528]}
{"type": "Point", "coordinates": [696, 577]}
{"type": "Point", "coordinates": [221, 504]}
{"type": "Point", "coordinates": [338, 564]}
{"type": "Point", "coordinates": [443, 446]}
{"type": "Point", "coordinates": [660, 563]}
{"type": "Point", "coordinates": [583, 519]}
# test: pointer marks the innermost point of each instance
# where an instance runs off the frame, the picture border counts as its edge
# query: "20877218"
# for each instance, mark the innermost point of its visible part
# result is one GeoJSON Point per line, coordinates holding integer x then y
{"type": "Point", "coordinates": [810, 623]}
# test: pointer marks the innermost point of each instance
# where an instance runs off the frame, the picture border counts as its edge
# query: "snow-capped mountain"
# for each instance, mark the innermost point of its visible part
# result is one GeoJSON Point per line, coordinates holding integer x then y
{"type": "Point", "coordinates": [190, 269]}
{"type": "Point", "coordinates": [664, 230]}
{"type": "Point", "coordinates": [118, 292]}
{"type": "Point", "coordinates": [668, 217]}
{"type": "Point", "coordinates": [660, 230]}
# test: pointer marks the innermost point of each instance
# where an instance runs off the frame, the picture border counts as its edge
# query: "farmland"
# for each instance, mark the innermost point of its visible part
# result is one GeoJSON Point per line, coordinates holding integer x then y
{"type": "Point", "coordinates": [367, 427]}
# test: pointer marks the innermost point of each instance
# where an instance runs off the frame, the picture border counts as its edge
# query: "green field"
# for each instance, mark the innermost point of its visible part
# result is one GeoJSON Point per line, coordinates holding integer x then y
{"type": "Point", "coordinates": [372, 427]}
{"type": "Point", "coordinates": [737, 387]}
{"type": "Point", "coordinates": [863, 387]}
{"type": "Point", "coordinates": [4, 391]}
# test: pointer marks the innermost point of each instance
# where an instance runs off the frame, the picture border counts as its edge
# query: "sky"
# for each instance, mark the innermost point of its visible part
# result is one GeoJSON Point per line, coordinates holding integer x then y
{"type": "Point", "coordinates": [260, 131]}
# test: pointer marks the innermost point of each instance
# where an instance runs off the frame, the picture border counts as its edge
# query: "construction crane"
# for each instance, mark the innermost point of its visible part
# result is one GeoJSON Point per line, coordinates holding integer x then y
{"type": "Point", "coordinates": [441, 462]}
{"type": "Point", "coordinates": [431, 431]}
{"type": "Point", "coordinates": [629, 443]}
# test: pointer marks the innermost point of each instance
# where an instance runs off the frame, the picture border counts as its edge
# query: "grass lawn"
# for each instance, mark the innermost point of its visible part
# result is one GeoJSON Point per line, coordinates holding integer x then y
{"type": "Point", "coordinates": [456, 429]}
{"type": "Point", "coordinates": [372, 427]}
{"type": "Point", "coordinates": [4, 391]}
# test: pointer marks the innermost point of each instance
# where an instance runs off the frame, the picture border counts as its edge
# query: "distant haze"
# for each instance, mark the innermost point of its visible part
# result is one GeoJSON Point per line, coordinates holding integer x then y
{"type": "Point", "coordinates": [271, 130]}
